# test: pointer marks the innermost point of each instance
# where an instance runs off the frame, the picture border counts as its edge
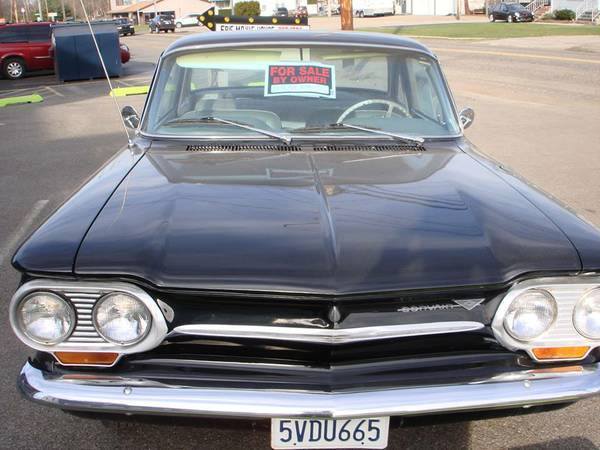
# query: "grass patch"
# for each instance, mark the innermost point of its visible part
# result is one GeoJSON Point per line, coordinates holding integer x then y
{"type": "Point", "coordinates": [143, 28]}
{"type": "Point", "coordinates": [490, 30]}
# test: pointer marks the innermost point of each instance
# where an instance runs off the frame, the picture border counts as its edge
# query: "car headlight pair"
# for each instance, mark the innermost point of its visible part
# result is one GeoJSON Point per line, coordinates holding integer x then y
{"type": "Point", "coordinates": [48, 319]}
{"type": "Point", "coordinates": [534, 311]}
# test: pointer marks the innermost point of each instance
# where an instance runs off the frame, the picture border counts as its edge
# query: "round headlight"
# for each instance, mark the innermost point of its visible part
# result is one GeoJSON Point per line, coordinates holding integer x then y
{"type": "Point", "coordinates": [586, 316]}
{"type": "Point", "coordinates": [46, 318]}
{"type": "Point", "coordinates": [121, 318]}
{"type": "Point", "coordinates": [530, 314]}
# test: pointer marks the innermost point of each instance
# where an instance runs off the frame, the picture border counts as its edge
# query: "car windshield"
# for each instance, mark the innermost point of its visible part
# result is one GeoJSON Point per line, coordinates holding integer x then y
{"type": "Point", "coordinates": [517, 7]}
{"type": "Point", "coordinates": [300, 91]}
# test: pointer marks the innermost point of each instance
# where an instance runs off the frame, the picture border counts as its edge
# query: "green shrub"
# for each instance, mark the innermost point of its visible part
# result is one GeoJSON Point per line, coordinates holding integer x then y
{"type": "Point", "coordinates": [250, 8]}
{"type": "Point", "coordinates": [564, 14]}
{"type": "Point", "coordinates": [547, 16]}
{"type": "Point", "coordinates": [225, 12]}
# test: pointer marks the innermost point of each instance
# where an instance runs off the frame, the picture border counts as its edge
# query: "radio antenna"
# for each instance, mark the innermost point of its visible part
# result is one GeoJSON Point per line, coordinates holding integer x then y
{"type": "Point", "coordinates": [87, 19]}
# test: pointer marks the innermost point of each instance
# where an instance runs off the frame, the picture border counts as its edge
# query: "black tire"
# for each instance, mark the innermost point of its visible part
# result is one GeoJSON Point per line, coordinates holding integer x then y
{"type": "Point", "coordinates": [178, 25]}
{"type": "Point", "coordinates": [13, 68]}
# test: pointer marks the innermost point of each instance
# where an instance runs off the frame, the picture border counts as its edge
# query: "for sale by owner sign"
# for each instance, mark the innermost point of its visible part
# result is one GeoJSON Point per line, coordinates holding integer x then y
{"type": "Point", "coordinates": [305, 79]}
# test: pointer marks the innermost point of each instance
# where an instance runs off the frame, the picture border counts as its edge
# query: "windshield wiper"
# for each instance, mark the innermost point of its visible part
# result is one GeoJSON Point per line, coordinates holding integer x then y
{"type": "Point", "coordinates": [342, 126]}
{"type": "Point", "coordinates": [211, 119]}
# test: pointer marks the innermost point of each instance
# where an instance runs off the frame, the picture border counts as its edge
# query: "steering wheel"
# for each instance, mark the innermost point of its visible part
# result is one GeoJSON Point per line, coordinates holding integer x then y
{"type": "Point", "coordinates": [390, 108]}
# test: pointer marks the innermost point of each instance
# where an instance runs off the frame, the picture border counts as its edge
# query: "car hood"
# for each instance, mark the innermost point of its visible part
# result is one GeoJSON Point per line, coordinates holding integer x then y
{"type": "Point", "coordinates": [319, 222]}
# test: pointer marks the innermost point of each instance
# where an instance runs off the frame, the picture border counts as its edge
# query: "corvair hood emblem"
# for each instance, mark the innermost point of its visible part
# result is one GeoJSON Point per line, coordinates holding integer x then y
{"type": "Point", "coordinates": [467, 304]}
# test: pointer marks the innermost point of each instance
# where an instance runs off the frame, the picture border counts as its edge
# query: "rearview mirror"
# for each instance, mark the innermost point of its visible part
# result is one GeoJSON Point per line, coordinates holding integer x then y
{"type": "Point", "coordinates": [130, 117]}
{"type": "Point", "coordinates": [466, 117]}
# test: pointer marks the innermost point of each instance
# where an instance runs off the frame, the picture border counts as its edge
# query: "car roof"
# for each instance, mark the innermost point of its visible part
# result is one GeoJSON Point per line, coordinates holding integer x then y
{"type": "Point", "coordinates": [26, 24]}
{"type": "Point", "coordinates": [290, 37]}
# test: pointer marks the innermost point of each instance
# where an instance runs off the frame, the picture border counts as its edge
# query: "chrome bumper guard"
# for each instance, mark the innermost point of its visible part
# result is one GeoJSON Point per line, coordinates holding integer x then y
{"type": "Point", "coordinates": [114, 394]}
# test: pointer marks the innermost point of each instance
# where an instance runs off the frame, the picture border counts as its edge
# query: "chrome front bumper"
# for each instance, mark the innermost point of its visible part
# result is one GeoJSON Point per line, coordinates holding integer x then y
{"type": "Point", "coordinates": [114, 394]}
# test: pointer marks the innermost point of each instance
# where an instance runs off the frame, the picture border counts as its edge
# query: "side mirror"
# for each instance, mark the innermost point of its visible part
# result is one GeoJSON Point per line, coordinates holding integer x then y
{"type": "Point", "coordinates": [466, 116]}
{"type": "Point", "coordinates": [130, 117]}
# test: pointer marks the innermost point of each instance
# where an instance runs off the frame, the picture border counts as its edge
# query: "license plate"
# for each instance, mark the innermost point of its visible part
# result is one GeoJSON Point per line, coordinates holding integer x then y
{"type": "Point", "coordinates": [330, 433]}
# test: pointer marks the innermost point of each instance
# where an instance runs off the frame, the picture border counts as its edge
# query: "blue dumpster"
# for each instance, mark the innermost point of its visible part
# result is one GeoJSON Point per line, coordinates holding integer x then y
{"type": "Point", "coordinates": [75, 56]}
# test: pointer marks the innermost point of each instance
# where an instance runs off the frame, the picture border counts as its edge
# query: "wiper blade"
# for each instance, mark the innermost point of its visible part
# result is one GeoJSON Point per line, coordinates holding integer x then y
{"type": "Point", "coordinates": [211, 119]}
{"type": "Point", "coordinates": [342, 126]}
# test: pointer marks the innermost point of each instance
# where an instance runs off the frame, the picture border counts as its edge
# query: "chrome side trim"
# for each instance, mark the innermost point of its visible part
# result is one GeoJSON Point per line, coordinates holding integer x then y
{"type": "Point", "coordinates": [113, 394]}
{"type": "Point", "coordinates": [325, 335]}
{"type": "Point", "coordinates": [83, 296]}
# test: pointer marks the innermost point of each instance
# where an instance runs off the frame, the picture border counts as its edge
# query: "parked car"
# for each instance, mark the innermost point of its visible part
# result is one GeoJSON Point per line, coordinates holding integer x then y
{"type": "Point", "coordinates": [162, 22]}
{"type": "Point", "coordinates": [301, 11]}
{"type": "Point", "coordinates": [307, 237]}
{"type": "Point", "coordinates": [27, 47]}
{"type": "Point", "coordinates": [187, 21]}
{"type": "Point", "coordinates": [281, 12]}
{"type": "Point", "coordinates": [125, 27]}
{"type": "Point", "coordinates": [510, 12]}
{"type": "Point", "coordinates": [125, 53]}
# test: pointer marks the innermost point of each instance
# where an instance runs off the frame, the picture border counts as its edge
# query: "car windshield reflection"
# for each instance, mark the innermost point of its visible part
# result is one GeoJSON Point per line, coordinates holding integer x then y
{"type": "Point", "coordinates": [285, 89]}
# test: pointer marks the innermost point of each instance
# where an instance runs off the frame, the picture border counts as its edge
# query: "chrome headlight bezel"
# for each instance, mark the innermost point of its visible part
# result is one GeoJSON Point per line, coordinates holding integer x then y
{"type": "Point", "coordinates": [567, 291]}
{"type": "Point", "coordinates": [88, 293]}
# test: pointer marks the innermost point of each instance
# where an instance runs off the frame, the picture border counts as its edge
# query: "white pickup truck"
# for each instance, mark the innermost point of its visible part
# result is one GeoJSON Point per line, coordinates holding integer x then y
{"type": "Point", "coordinates": [365, 8]}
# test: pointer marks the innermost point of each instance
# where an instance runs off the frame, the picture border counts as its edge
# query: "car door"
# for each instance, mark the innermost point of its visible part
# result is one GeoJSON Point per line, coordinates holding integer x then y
{"type": "Point", "coordinates": [13, 42]}
{"type": "Point", "coordinates": [503, 12]}
{"type": "Point", "coordinates": [496, 12]}
{"type": "Point", "coordinates": [39, 45]}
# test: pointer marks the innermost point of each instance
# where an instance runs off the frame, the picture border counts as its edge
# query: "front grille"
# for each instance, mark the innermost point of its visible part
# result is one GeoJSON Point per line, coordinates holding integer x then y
{"type": "Point", "coordinates": [84, 332]}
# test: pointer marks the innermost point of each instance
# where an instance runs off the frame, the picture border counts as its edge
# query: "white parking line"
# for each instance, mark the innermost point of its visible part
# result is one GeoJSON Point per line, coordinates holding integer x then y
{"type": "Point", "coordinates": [11, 92]}
{"type": "Point", "coordinates": [23, 228]}
{"type": "Point", "coordinates": [54, 91]}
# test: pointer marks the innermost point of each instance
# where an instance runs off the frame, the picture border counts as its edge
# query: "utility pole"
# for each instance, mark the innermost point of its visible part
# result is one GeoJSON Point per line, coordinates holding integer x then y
{"type": "Point", "coordinates": [346, 15]}
{"type": "Point", "coordinates": [27, 12]}
{"type": "Point", "coordinates": [40, 10]}
{"type": "Point", "coordinates": [46, 4]}
{"type": "Point", "coordinates": [457, 9]}
{"type": "Point", "coordinates": [62, 6]}
{"type": "Point", "coordinates": [74, 11]}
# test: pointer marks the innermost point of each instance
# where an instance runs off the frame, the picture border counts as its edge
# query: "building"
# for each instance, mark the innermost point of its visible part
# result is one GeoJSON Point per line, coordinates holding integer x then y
{"type": "Point", "coordinates": [143, 11]}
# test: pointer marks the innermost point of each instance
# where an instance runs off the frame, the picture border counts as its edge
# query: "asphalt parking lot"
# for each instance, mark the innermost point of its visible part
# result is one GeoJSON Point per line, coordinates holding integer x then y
{"type": "Point", "coordinates": [538, 111]}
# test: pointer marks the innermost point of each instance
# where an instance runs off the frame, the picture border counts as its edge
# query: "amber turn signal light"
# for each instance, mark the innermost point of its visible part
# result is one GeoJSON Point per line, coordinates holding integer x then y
{"type": "Point", "coordinates": [86, 358]}
{"type": "Point", "coordinates": [560, 352]}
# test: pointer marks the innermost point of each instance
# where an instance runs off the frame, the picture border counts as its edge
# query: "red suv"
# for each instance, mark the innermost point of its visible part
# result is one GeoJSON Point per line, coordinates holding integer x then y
{"type": "Point", "coordinates": [25, 47]}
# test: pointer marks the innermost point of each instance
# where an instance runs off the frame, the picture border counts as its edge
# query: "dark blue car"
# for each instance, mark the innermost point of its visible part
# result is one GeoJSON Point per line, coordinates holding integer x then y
{"type": "Point", "coordinates": [300, 231]}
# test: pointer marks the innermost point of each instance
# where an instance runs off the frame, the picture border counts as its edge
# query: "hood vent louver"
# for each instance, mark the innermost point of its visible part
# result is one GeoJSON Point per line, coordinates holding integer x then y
{"type": "Point", "coordinates": [369, 148]}
{"type": "Point", "coordinates": [242, 148]}
{"type": "Point", "coordinates": [396, 147]}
